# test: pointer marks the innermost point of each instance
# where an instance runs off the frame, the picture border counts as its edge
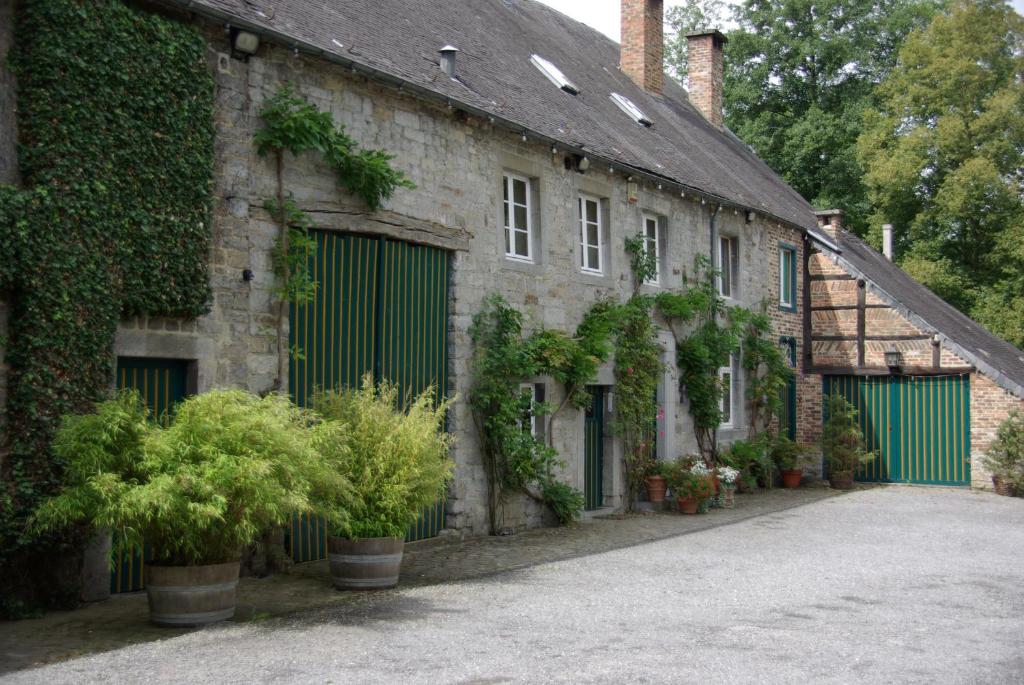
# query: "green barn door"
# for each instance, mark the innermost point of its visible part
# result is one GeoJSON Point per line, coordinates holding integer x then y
{"type": "Point", "coordinates": [380, 307]}
{"type": "Point", "coordinates": [161, 383]}
{"type": "Point", "coordinates": [593, 450]}
{"type": "Point", "coordinates": [919, 426]}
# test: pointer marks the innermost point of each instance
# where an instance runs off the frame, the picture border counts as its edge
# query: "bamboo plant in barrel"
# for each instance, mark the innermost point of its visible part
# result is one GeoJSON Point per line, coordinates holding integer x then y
{"type": "Point", "coordinates": [397, 462]}
{"type": "Point", "coordinates": [227, 468]}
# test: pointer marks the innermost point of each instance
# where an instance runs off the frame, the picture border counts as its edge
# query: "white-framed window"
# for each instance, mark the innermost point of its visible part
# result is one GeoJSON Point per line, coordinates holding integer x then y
{"type": "Point", "coordinates": [726, 264]}
{"type": "Point", "coordinates": [518, 218]}
{"type": "Point", "coordinates": [591, 259]}
{"type": "Point", "coordinates": [530, 421]}
{"type": "Point", "coordinates": [787, 277]}
{"type": "Point", "coordinates": [726, 404]}
{"type": "Point", "coordinates": [652, 246]}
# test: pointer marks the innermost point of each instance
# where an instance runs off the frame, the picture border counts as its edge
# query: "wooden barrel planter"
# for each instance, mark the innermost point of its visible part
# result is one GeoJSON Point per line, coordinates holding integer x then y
{"type": "Point", "coordinates": [368, 564]}
{"type": "Point", "coordinates": [191, 595]}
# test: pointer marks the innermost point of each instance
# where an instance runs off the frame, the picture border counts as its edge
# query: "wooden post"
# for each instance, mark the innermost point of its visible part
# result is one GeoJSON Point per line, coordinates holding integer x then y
{"type": "Point", "coordinates": [861, 323]}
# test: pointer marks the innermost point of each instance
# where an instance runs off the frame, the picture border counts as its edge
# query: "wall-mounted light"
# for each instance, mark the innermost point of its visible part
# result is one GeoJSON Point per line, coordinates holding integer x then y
{"type": "Point", "coordinates": [893, 359]}
{"type": "Point", "coordinates": [244, 42]}
{"type": "Point", "coordinates": [750, 216]}
{"type": "Point", "coordinates": [582, 163]}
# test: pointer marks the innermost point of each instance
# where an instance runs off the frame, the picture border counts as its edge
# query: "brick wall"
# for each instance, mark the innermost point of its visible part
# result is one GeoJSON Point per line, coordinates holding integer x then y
{"type": "Point", "coordinates": [642, 56]}
{"type": "Point", "coordinates": [705, 73]}
{"type": "Point", "coordinates": [990, 406]}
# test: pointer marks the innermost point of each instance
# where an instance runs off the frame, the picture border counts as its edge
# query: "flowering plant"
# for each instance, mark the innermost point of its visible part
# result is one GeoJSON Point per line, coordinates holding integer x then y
{"type": "Point", "coordinates": [728, 475]}
{"type": "Point", "coordinates": [690, 477]}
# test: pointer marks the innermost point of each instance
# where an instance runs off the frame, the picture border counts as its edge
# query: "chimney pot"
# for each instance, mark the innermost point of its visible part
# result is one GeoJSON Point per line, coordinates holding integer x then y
{"type": "Point", "coordinates": [705, 64]}
{"type": "Point", "coordinates": [448, 53]}
{"type": "Point", "coordinates": [887, 241]}
{"type": "Point", "coordinates": [642, 54]}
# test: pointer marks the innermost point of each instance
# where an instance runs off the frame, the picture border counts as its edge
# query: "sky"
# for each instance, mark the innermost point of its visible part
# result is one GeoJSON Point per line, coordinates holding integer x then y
{"type": "Point", "coordinates": [603, 15]}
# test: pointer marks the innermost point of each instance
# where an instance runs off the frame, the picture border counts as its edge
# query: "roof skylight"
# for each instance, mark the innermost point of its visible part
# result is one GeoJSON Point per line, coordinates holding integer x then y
{"type": "Point", "coordinates": [554, 74]}
{"type": "Point", "coordinates": [627, 106]}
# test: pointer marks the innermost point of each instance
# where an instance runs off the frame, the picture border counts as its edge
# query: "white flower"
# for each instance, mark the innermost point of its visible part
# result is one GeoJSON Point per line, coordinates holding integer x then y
{"type": "Point", "coordinates": [728, 474]}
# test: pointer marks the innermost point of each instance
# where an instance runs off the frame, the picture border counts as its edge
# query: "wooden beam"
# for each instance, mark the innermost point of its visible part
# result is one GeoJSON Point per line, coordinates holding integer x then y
{"type": "Point", "coordinates": [869, 338]}
{"type": "Point", "coordinates": [884, 371]}
{"type": "Point", "coordinates": [828, 307]}
{"type": "Point", "coordinates": [862, 296]}
{"type": "Point", "coordinates": [831, 277]}
{"type": "Point", "coordinates": [808, 355]}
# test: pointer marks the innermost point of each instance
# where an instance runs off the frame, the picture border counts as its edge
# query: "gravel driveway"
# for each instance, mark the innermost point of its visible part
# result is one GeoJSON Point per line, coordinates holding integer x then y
{"type": "Point", "coordinates": [883, 585]}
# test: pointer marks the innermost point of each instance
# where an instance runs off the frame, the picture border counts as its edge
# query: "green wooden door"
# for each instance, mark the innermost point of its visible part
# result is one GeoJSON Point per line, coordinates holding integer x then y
{"type": "Point", "coordinates": [162, 383]}
{"type": "Point", "coordinates": [919, 426]}
{"type": "Point", "coordinates": [380, 308]}
{"type": "Point", "coordinates": [593, 450]}
{"type": "Point", "coordinates": [787, 415]}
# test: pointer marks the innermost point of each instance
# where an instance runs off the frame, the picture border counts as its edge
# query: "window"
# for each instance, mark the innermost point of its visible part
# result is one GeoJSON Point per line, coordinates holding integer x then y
{"type": "Point", "coordinates": [530, 422]}
{"type": "Point", "coordinates": [787, 278]}
{"type": "Point", "coordinates": [518, 219]}
{"type": "Point", "coordinates": [554, 74]}
{"type": "Point", "coordinates": [726, 377]}
{"type": "Point", "coordinates": [652, 247]}
{"type": "Point", "coordinates": [590, 234]}
{"type": "Point", "coordinates": [727, 263]}
{"type": "Point", "coordinates": [627, 106]}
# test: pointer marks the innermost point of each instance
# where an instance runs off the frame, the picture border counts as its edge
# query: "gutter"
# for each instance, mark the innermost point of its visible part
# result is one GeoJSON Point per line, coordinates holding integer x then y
{"type": "Point", "coordinates": [433, 96]}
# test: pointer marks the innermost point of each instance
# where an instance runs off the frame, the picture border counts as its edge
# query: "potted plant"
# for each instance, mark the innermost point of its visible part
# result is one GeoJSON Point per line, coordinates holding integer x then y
{"type": "Point", "coordinates": [1004, 458]}
{"type": "Point", "coordinates": [727, 477]}
{"type": "Point", "coordinates": [228, 467]}
{"type": "Point", "coordinates": [691, 483]}
{"type": "Point", "coordinates": [842, 442]}
{"type": "Point", "coordinates": [657, 484]}
{"type": "Point", "coordinates": [749, 458]}
{"type": "Point", "coordinates": [397, 462]}
{"type": "Point", "coordinates": [788, 457]}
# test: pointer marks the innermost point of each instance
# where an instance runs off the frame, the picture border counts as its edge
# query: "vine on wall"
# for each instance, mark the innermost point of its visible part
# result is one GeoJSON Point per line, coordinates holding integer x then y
{"type": "Point", "coordinates": [291, 124]}
{"type": "Point", "coordinates": [115, 118]}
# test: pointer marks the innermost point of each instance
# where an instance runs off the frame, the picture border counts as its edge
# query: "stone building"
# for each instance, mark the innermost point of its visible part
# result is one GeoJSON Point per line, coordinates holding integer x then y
{"type": "Point", "coordinates": [537, 146]}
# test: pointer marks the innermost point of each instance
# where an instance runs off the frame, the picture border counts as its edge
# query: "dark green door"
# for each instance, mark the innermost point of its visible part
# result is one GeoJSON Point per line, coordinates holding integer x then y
{"type": "Point", "coordinates": [787, 415]}
{"type": "Point", "coordinates": [593, 450]}
{"type": "Point", "coordinates": [162, 383]}
{"type": "Point", "coordinates": [380, 308]}
{"type": "Point", "coordinates": [919, 426]}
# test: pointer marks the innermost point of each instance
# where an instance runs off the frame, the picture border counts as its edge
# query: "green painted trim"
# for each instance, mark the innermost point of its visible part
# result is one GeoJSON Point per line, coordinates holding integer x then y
{"type": "Point", "coordinates": [793, 250]}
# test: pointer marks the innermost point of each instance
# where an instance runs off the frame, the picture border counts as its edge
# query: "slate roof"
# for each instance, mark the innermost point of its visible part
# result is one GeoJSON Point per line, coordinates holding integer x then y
{"type": "Point", "coordinates": [400, 38]}
{"type": "Point", "coordinates": [996, 358]}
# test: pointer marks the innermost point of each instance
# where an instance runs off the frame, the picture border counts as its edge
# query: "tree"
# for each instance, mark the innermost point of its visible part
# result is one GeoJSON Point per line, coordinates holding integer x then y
{"type": "Point", "coordinates": [694, 15]}
{"type": "Point", "coordinates": [944, 160]}
{"type": "Point", "coordinates": [799, 73]}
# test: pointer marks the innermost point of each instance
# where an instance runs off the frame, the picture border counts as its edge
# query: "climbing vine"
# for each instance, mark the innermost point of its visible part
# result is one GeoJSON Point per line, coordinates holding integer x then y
{"type": "Point", "coordinates": [115, 122]}
{"type": "Point", "coordinates": [767, 374]}
{"type": "Point", "coordinates": [291, 124]}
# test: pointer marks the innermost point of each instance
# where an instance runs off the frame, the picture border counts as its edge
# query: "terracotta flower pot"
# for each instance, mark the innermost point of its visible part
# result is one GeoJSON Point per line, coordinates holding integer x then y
{"type": "Point", "coordinates": [841, 481]}
{"type": "Point", "coordinates": [791, 477]}
{"type": "Point", "coordinates": [688, 505]}
{"type": "Point", "coordinates": [656, 488]}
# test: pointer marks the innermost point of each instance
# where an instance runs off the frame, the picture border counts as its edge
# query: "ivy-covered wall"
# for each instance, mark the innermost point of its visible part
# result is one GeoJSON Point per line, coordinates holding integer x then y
{"type": "Point", "coordinates": [115, 155]}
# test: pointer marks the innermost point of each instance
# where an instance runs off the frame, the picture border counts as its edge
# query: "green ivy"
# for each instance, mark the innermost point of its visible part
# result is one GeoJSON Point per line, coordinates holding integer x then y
{"type": "Point", "coordinates": [115, 118]}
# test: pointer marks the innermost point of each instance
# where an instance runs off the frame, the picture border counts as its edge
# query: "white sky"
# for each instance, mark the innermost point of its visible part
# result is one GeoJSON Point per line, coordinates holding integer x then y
{"type": "Point", "coordinates": [603, 15]}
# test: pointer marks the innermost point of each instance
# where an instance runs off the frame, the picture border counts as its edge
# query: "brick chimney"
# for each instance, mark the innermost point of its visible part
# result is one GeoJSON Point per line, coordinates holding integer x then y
{"type": "Point", "coordinates": [830, 221]}
{"type": "Point", "coordinates": [642, 55]}
{"type": "Point", "coordinates": [705, 71]}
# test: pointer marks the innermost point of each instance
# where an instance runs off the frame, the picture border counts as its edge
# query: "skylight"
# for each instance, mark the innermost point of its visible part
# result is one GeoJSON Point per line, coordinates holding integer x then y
{"type": "Point", "coordinates": [554, 74]}
{"type": "Point", "coordinates": [627, 106]}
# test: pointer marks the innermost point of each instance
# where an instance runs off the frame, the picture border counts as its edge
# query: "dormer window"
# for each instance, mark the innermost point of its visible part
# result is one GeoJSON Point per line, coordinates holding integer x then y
{"type": "Point", "coordinates": [554, 74]}
{"type": "Point", "coordinates": [634, 113]}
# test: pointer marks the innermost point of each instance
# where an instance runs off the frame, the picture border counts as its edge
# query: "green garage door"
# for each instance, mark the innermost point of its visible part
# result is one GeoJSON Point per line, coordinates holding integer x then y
{"type": "Point", "coordinates": [918, 425]}
{"type": "Point", "coordinates": [381, 307]}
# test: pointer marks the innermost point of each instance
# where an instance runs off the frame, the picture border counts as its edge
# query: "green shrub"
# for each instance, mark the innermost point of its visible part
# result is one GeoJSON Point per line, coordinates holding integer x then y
{"type": "Point", "coordinates": [750, 458]}
{"type": "Point", "coordinates": [1005, 457]}
{"type": "Point", "coordinates": [397, 461]}
{"type": "Point", "coordinates": [842, 442]}
{"type": "Point", "coordinates": [787, 454]}
{"type": "Point", "coordinates": [229, 466]}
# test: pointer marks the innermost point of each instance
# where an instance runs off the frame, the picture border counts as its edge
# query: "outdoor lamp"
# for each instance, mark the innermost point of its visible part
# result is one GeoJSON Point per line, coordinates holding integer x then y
{"type": "Point", "coordinates": [893, 359]}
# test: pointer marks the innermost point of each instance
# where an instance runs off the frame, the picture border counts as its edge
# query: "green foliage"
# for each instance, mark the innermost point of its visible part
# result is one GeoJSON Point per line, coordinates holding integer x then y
{"type": "Point", "coordinates": [787, 454]}
{"type": "Point", "coordinates": [292, 124]}
{"type": "Point", "coordinates": [1005, 456]}
{"type": "Point", "coordinates": [291, 256]}
{"type": "Point", "coordinates": [115, 118]}
{"type": "Point", "coordinates": [516, 460]}
{"type": "Point", "coordinates": [752, 460]}
{"type": "Point", "coordinates": [643, 263]}
{"type": "Point", "coordinates": [689, 477]}
{"type": "Point", "coordinates": [943, 156]}
{"type": "Point", "coordinates": [638, 369]}
{"type": "Point", "coordinates": [689, 17]}
{"type": "Point", "coordinates": [767, 373]}
{"type": "Point", "coordinates": [842, 442]}
{"type": "Point", "coordinates": [396, 460]}
{"type": "Point", "coordinates": [229, 466]}
{"type": "Point", "coordinates": [715, 334]}
{"type": "Point", "coordinates": [798, 75]}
